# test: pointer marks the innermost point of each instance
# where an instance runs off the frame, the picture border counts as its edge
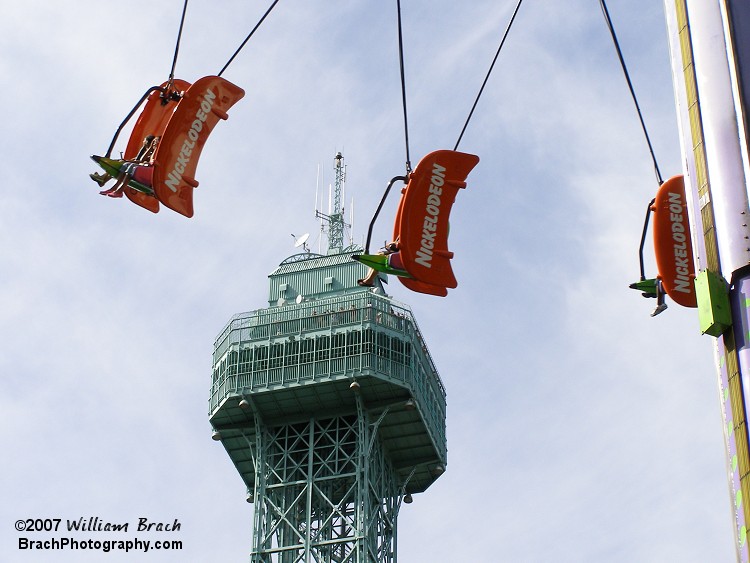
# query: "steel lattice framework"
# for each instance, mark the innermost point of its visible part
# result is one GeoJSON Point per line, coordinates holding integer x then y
{"type": "Point", "coordinates": [335, 218]}
{"type": "Point", "coordinates": [329, 493]}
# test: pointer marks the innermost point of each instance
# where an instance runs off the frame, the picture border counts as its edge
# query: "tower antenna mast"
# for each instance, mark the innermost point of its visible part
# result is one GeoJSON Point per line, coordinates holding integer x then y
{"type": "Point", "coordinates": [335, 220]}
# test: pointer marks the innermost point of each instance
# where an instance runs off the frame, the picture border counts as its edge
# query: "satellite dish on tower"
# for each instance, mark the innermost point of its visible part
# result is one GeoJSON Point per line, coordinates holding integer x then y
{"type": "Point", "coordinates": [300, 241]}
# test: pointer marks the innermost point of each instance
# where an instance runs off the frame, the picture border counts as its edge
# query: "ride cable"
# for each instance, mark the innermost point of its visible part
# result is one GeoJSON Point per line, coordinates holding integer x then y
{"type": "Point", "coordinates": [406, 129]}
{"type": "Point", "coordinates": [489, 72]}
{"type": "Point", "coordinates": [162, 89]}
{"type": "Point", "coordinates": [611, 28]}
{"type": "Point", "coordinates": [177, 43]}
{"type": "Point", "coordinates": [242, 45]}
{"type": "Point", "coordinates": [479, 94]}
{"type": "Point", "coordinates": [403, 86]}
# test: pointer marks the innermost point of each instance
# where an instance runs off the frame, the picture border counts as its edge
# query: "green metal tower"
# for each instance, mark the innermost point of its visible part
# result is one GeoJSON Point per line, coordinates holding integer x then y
{"type": "Point", "coordinates": [329, 405]}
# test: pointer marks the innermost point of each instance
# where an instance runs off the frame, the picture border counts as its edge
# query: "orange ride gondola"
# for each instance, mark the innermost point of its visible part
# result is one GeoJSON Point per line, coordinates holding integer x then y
{"type": "Point", "coordinates": [419, 254]}
{"type": "Point", "coordinates": [181, 116]}
{"type": "Point", "coordinates": [421, 226]}
{"type": "Point", "coordinates": [673, 248]}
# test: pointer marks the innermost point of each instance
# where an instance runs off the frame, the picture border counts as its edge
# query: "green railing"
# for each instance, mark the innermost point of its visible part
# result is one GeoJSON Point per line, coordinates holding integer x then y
{"type": "Point", "coordinates": [323, 340]}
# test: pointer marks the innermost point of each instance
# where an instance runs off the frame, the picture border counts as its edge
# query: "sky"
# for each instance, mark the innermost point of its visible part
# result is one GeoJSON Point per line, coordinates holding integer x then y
{"type": "Point", "coordinates": [579, 428]}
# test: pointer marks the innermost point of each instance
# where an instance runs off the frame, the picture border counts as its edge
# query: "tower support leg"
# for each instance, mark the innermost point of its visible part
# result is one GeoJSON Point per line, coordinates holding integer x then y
{"type": "Point", "coordinates": [325, 492]}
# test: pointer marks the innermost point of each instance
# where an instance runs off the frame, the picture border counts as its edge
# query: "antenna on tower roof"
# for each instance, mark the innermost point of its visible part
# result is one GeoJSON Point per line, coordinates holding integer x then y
{"type": "Point", "coordinates": [351, 224]}
{"type": "Point", "coordinates": [335, 217]}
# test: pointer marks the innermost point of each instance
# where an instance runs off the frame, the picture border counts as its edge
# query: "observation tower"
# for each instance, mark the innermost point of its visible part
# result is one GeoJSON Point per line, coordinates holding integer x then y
{"type": "Point", "coordinates": [330, 407]}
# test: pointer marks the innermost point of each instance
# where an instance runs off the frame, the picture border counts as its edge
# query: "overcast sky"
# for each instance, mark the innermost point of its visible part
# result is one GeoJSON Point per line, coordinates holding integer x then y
{"type": "Point", "coordinates": [579, 428]}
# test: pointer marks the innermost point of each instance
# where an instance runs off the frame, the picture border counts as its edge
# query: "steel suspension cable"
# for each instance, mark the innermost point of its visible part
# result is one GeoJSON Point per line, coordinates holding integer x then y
{"type": "Point", "coordinates": [163, 90]}
{"type": "Point", "coordinates": [177, 45]}
{"type": "Point", "coordinates": [257, 25]}
{"type": "Point", "coordinates": [486, 78]}
{"type": "Point", "coordinates": [403, 86]}
{"type": "Point", "coordinates": [611, 28]}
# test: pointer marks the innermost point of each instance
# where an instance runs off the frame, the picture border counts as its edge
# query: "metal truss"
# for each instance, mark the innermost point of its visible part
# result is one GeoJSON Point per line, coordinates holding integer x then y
{"type": "Point", "coordinates": [324, 492]}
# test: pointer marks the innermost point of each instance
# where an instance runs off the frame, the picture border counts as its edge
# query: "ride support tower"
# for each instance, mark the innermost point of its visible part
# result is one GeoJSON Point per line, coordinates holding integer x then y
{"type": "Point", "coordinates": [710, 50]}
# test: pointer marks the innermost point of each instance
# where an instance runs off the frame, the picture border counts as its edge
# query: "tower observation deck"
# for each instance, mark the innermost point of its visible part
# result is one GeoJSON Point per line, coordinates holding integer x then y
{"type": "Point", "coordinates": [330, 407]}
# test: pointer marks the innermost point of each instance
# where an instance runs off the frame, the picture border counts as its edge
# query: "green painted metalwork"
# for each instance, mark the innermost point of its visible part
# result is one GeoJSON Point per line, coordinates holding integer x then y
{"type": "Point", "coordinates": [311, 277]}
{"type": "Point", "coordinates": [331, 409]}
